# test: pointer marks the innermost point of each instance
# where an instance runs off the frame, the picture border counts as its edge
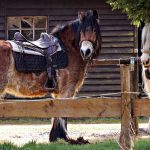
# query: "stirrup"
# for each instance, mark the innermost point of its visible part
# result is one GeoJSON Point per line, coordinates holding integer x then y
{"type": "Point", "coordinates": [50, 84]}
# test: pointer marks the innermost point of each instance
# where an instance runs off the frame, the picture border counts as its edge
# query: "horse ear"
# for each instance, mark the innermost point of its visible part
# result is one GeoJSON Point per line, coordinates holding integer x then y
{"type": "Point", "coordinates": [81, 15]}
{"type": "Point", "coordinates": [95, 14]}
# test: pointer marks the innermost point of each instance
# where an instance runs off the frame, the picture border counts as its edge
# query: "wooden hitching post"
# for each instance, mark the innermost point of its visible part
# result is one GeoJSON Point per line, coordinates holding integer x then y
{"type": "Point", "coordinates": [126, 141]}
{"type": "Point", "coordinates": [134, 89]}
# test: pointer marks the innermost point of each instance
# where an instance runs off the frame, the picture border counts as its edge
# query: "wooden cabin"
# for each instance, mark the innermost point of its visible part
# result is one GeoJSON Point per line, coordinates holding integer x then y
{"type": "Point", "coordinates": [32, 17]}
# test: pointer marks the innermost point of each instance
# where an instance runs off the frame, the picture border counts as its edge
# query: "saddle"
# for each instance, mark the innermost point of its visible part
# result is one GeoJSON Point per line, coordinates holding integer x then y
{"type": "Point", "coordinates": [43, 42]}
{"type": "Point", "coordinates": [44, 54]}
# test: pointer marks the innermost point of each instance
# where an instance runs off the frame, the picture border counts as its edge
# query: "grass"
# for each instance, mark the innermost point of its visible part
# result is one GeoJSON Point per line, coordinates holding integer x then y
{"type": "Point", "coordinates": [28, 121]}
{"type": "Point", "coordinates": [143, 145]}
{"type": "Point", "coordinates": [48, 121]}
{"type": "Point", "coordinates": [61, 145]}
{"type": "Point", "coordinates": [107, 145]}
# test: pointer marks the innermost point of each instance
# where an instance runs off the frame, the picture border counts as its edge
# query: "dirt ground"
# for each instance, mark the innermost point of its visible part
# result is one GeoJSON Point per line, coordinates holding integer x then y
{"type": "Point", "coordinates": [21, 134]}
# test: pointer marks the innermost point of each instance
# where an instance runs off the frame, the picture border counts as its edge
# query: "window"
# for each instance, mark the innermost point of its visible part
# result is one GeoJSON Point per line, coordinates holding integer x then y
{"type": "Point", "coordinates": [30, 26]}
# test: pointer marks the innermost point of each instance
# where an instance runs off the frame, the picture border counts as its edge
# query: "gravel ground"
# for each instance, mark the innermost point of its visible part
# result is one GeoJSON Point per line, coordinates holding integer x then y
{"type": "Point", "coordinates": [21, 134]}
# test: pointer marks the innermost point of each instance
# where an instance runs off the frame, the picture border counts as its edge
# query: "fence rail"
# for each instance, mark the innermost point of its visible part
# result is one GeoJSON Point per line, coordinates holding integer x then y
{"type": "Point", "coordinates": [86, 107]}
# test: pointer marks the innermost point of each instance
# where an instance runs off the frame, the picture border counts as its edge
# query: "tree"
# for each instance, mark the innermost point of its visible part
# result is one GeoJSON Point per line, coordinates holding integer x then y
{"type": "Point", "coordinates": [137, 10]}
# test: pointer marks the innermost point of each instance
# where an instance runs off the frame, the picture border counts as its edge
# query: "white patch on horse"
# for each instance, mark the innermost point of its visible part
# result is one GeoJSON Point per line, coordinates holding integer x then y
{"type": "Point", "coordinates": [85, 45]}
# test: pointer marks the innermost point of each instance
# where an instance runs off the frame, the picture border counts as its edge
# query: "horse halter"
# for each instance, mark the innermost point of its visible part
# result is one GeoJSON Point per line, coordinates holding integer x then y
{"type": "Point", "coordinates": [146, 63]}
{"type": "Point", "coordinates": [94, 43]}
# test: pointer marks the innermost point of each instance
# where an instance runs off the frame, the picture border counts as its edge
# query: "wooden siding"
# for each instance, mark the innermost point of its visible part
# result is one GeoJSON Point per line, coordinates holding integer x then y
{"type": "Point", "coordinates": [117, 35]}
{"type": "Point", "coordinates": [2, 20]}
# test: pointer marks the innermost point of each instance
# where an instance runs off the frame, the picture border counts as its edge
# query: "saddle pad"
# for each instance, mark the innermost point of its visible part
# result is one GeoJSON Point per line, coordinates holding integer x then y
{"type": "Point", "coordinates": [33, 63]}
{"type": "Point", "coordinates": [28, 63]}
{"type": "Point", "coordinates": [59, 60]}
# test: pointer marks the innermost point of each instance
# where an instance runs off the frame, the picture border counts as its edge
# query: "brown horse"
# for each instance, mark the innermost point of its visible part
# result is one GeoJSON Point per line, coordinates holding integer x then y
{"type": "Point", "coordinates": [81, 39]}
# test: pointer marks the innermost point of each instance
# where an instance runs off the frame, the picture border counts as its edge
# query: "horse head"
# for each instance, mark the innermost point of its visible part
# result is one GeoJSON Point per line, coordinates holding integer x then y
{"type": "Point", "coordinates": [88, 34]}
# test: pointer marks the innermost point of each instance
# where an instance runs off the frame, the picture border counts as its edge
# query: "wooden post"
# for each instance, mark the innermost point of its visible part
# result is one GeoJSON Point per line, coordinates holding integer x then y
{"type": "Point", "coordinates": [126, 138]}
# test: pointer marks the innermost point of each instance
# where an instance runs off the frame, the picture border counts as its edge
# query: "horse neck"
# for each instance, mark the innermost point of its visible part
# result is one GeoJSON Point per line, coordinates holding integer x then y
{"type": "Point", "coordinates": [68, 37]}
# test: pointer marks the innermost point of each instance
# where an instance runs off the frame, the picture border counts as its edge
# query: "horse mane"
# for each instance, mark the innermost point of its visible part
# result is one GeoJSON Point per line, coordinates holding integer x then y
{"type": "Point", "coordinates": [74, 24]}
{"type": "Point", "coordinates": [59, 28]}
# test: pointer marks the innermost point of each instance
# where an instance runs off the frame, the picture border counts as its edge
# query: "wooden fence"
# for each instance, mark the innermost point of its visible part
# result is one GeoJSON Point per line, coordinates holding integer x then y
{"type": "Point", "coordinates": [128, 107]}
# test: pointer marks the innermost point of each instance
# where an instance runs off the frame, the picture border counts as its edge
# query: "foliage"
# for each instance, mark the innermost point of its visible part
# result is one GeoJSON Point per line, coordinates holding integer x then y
{"type": "Point", "coordinates": [137, 10]}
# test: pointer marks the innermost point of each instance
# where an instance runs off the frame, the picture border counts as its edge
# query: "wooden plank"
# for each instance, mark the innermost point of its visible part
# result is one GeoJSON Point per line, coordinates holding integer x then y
{"type": "Point", "coordinates": [118, 44]}
{"type": "Point", "coordinates": [102, 82]}
{"type": "Point", "coordinates": [116, 56]}
{"type": "Point", "coordinates": [54, 4]}
{"type": "Point", "coordinates": [111, 94]}
{"type": "Point", "coordinates": [103, 75]}
{"type": "Point", "coordinates": [27, 12]}
{"type": "Point", "coordinates": [115, 22]}
{"type": "Point", "coordinates": [116, 39]}
{"type": "Point", "coordinates": [2, 20]}
{"type": "Point", "coordinates": [2, 28]}
{"type": "Point", "coordinates": [117, 33]}
{"type": "Point", "coordinates": [112, 16]}
{"type": "Point", "coordinates": [117, 50]}
{"type": "Point", "coordinates": [141, 107]}
{"type": "Point", "coordinates": [104, 17]}
{"type": "Point", "coordinates": [83, 107]}
{"type": "Point", "coordinates": [103, 69]}
{"type": "Point", "coordinates": [116, 28]}
{"type": "Point", "coordinates": [2, 35]}
{"type": "Point", "coordinates": [98, 88]}
{"type": "Point", "coordinates": [48, 108]}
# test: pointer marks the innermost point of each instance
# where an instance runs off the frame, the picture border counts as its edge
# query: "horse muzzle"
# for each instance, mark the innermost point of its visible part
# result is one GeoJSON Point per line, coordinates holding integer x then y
{"type": "Point", "coordinates": [86, 50]}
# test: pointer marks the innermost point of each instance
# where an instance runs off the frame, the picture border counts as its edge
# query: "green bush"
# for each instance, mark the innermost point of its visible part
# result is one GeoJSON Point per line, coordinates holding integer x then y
{"type": "Point", "coordinates": [137, 10]}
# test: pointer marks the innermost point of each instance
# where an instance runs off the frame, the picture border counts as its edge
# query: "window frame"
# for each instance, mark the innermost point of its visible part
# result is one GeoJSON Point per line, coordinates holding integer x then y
{"type": "Point", "coordinates": [33, 29]}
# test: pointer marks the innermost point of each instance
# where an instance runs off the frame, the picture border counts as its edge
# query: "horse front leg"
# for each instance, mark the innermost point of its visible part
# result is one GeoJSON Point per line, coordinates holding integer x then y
{"type": "Point", "coordinates": [59, 125]}
{"type": "Point", "coordinates": [59, 129]}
